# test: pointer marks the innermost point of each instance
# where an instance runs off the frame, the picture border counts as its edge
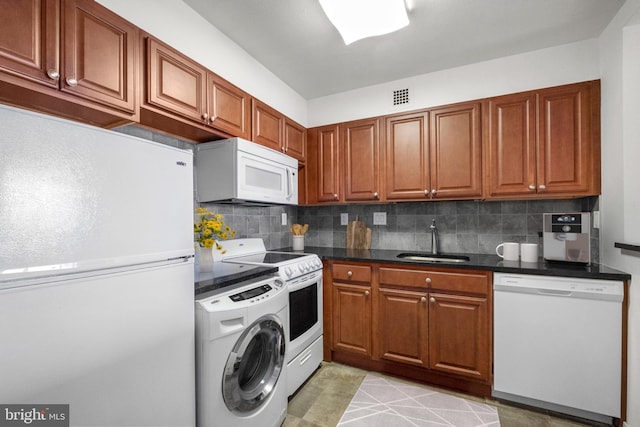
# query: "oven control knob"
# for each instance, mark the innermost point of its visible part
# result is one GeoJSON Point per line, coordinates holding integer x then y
{"type": "Point", "coordinates": [288, 271]}
{"type": "Point", "coordinates": [278, 283]}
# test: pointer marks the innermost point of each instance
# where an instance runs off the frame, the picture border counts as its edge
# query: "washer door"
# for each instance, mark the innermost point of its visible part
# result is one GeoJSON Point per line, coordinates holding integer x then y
{"type": "Point", "coordinates": [254, 365]}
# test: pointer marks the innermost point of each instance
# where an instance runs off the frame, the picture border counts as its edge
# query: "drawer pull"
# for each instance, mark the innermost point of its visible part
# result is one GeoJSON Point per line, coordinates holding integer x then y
{"type": "Point", "coordinates": [349, 273]}
{"type": "Point", "coordinates": [428, 280]}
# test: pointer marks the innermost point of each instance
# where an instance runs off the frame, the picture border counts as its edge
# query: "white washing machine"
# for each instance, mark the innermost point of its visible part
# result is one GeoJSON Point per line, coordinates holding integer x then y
{"type": "Point", "coordinates": [240, 354]}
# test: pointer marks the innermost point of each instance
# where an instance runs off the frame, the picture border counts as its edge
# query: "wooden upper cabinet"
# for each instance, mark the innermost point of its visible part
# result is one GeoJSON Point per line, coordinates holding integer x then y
{"type": "Point", "coordinates": [267, 126]}
{"type": "Point", "coordinates": [545, 143]}
{"type": "Point", "coordinates": [73, 58]}
{"type": "Point", "coordinates": [203, 106]}
{"type": "Point", "coordinates": [295, 140]}
{"type": "Point", "coordinates": [175, 83]}
{"type": "Point", "coordinates": [456, 151]}
{"type": "Point", "coordinates": [360, 143]}
{"type": "Point", "coordinates": [30, 40]}
{"type": "Point", "coordinates": [565, 141]}
{"type": "Point", "coordinates": [407, 157]}
{"type": "Point", "coordinates": [324, 157]}
{"type": "Point", "coordinates": [229, 109]}
{"type": "Point", "coordinates": [99, 54]}
{"type": "Point", "coordinates": [511, 149]}
{"type": "Point", "coordinates": [274, 130]}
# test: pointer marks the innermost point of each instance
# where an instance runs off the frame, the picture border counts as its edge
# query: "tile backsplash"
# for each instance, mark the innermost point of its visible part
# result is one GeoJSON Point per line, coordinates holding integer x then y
{"type": "Point", "coordinates": [464, 226]}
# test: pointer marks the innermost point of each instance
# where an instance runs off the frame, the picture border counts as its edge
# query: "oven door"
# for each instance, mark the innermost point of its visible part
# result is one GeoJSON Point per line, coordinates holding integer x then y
{"type": "Point", "coordinates": [305, 312]}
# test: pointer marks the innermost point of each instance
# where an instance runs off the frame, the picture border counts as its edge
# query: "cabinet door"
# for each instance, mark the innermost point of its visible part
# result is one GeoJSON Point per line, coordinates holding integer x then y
{"type": "Point", "coordinates": [99, 55]}
{"type": "Point", "coordinates": [403, 327]}
{"type": "Point", "coordinates": [407, 171]}
{"type": "Point", "coordinates": [456, 152]}
{"type": "Point", "coordinates": [174, 82]}
{"type": "Point", "coordinates": [326, 163]}
{"type": "Point", "coordinates": [295, 140]}
{"type": "Point", "coordinates": [351, 312]}
{"type": "Point", "coordinates": [229, 108]}
{"type": "Point", "coordinates": [459, 335]}
{"type": "Point", "coordinates": [361, 147]}
{"type": "Point", "coordinates": [511, 146]}
{"type": "Point", "coordinates": [267, 126]}
{"type": "Point", "coordinates": [565, 140]}
{"type": "Point", "coordinates": [29, 39]}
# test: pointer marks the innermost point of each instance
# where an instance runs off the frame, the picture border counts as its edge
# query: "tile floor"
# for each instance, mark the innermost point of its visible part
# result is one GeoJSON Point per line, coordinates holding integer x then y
{"type": "Point", "coordinates": [322, 401]}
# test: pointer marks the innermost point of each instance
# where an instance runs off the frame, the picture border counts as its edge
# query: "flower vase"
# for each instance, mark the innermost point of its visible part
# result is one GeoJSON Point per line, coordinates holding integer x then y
{"type": "Point", "coordinates": [204, 259]}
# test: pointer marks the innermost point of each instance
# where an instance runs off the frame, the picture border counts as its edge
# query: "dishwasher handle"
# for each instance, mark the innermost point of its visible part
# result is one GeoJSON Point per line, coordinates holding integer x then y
{"type": "Point", "coordinates": [561, 293]}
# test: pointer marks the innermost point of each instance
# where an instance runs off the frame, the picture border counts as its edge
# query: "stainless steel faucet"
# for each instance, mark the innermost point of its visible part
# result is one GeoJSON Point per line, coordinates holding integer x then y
{"type": "Point", "coordinates": [434, 237]}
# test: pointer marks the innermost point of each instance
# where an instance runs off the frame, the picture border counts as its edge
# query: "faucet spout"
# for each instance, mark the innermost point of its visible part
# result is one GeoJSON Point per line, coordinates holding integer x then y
{"type": "Point", "coordinates": [434, 237]}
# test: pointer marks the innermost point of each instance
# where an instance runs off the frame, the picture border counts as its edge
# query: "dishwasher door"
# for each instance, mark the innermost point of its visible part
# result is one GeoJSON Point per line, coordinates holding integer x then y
{"type": "Point", "coordinates": [558, 343]}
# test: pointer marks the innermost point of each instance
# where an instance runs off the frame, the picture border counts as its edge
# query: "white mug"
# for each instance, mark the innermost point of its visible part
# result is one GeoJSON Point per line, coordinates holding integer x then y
{"type": "Point", "coordinates": [529, 252]}
{"type": "Point", "coordinates": [510, 251]}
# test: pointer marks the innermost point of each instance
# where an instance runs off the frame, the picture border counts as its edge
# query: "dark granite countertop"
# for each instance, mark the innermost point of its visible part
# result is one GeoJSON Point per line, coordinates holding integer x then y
{"type": "Point", "coordinates": [477, 262]}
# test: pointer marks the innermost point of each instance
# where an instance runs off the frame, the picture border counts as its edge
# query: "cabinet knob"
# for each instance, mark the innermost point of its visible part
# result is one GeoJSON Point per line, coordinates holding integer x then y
{"type": "Point", "coordinates": [432, 299]}
{"type": "Point", "coordinates": [428, 280]}
{"type": "Point", "coordinates": [542, 187]}
{"type": "Point", "coordinates": [433, 192]}
{"type": "Point", "coordinates": [375, 195]}
{"type": "Point", "coordinates": [335, 196]}
{"type": "Point", "coordinates": [285, 149]}
{"type": "Point", "coordinates": [212, 119]}
{"type": "Point", "coordinates": [423, 299]}
{"type": "Point", "coordinates": [426, 192]}
{"type": "Point", "coordinates": [205, 116]}
{"type": "Point", "coordinates": [366, 293]}
{"type": "Point", "coordinates": [349, 273]}
{"type": "Point", "coordinates": [71, 81]}
{"type": "Point", "coordinates": [532, 187]}
{"type": "Point", "coordinates": [53, 74]}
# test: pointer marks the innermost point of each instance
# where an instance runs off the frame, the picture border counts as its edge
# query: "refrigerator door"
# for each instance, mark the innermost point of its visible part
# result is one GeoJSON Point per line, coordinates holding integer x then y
{"type": "Point", "coordinates": [117, 347]}
{"type": "Point", "coordinates": [78, 198]}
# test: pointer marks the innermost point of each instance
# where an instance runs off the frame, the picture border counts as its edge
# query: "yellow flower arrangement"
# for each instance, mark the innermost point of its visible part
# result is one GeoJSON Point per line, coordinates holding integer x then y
{"type": "Point", "coordinates": [210, 228]}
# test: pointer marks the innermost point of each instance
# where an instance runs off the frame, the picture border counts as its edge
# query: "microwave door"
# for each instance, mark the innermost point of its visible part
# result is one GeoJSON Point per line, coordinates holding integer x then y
{"type": "Point", "coordinates": [265, 180]}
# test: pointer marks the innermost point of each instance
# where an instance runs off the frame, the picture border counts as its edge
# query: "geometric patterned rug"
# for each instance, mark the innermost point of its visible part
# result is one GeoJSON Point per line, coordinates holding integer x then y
{"type": "Point", "coordinates": [381, 402]}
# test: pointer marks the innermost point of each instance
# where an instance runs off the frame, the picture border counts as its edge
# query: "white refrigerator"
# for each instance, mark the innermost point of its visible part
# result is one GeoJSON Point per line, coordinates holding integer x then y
{"type": "Point", "coordinates": [96, 273]}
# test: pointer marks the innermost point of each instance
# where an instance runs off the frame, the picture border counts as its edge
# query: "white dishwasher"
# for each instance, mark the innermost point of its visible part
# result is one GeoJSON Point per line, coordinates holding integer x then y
{"type": "Point", "coordinates": [558, 343]}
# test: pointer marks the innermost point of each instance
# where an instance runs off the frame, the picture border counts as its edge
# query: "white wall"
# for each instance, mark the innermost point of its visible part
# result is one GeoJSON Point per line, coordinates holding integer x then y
{"type": "Point", "coordinates": [620, 200]}
{"type": "Point", "coordinates": [181, 27]}
{"type": "Point", "coordinates": [559, 65]}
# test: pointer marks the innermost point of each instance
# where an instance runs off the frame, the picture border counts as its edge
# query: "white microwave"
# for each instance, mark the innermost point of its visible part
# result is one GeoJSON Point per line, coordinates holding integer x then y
{"type": "Point", "coordinates": [240, 171]}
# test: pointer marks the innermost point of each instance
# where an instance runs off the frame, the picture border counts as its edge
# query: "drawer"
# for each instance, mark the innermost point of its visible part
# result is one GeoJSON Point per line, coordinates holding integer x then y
{"type": "Point", "coordinates": [349, 272]}
{"type": "Point", "coordinates": [475, 283]}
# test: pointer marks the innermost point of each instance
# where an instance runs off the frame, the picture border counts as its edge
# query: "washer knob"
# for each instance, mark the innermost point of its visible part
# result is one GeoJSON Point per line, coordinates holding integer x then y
{"type": "Point", "coordinates": [278, 283]}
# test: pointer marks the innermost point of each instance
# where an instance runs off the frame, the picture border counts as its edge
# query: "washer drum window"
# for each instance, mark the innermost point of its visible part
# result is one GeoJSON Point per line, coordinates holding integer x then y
{"type": "Point", "coordinates": [254, 366]}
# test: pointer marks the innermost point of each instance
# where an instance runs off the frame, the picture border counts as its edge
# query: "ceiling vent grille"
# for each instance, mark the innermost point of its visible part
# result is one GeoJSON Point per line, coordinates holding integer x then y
{"type": "Point", "coordinates": [401, 97]}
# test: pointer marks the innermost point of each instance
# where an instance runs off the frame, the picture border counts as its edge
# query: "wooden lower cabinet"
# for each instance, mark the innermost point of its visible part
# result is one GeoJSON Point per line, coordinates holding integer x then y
{"type": "Point", "coordinates": [430, 325]}
{"type": "Point", "coordinates": [459, 335]}
{"type": "Point", "coordinates": [352, 318]}
{"type": "Point", "coordinates": [403, 326]}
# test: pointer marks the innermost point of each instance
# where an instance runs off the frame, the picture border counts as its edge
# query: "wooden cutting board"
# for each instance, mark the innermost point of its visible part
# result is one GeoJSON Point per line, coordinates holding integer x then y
{"type": "Point", "coordinates": [358, 235]}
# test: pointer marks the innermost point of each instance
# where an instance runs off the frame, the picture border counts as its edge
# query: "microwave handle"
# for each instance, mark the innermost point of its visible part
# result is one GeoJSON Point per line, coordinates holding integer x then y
{"type": "Point", "coordinates": [289, 183]}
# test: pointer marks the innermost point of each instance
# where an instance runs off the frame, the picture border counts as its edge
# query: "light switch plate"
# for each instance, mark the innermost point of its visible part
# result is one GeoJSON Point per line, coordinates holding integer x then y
{"type": "Point", "coordinates": [284, 218]}
{"type": "Point", "coordinates": [596, 219]}
{"type": "Point", "coordinates": [379, 218]}
{"type": "Point", "coordinates": [344, 218]}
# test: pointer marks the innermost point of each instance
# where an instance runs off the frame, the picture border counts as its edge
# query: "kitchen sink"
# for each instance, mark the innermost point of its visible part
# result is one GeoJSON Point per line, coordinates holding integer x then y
{"type": "Point", "coordinates": [426, 257]}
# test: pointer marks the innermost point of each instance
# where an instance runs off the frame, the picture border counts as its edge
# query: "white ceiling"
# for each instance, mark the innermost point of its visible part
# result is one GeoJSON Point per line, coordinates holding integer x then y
{"type": "Point", "coordinates": [294, 39]}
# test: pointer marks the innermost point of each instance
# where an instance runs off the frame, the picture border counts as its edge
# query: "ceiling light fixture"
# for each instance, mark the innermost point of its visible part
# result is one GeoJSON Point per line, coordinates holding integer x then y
{"type": "Point", "coordinates": [358, 19]}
